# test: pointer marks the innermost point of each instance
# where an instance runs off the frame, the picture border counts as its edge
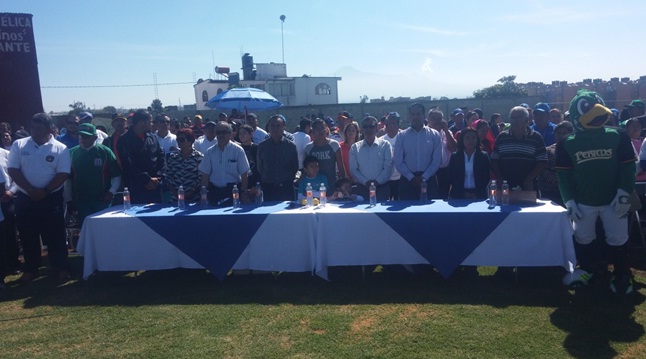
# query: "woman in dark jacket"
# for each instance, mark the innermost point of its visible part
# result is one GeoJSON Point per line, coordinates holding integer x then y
{"type": "Point", "coordinates": [469, 168]}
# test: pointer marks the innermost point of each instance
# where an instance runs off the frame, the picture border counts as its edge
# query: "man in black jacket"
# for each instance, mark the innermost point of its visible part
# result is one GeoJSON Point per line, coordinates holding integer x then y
{"type": "Point", "coordinates": [142, 160]}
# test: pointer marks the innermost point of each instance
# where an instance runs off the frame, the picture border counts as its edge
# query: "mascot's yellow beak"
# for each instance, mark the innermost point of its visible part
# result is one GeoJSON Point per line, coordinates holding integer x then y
{"type": "Point", "coordinates": [596, 117]}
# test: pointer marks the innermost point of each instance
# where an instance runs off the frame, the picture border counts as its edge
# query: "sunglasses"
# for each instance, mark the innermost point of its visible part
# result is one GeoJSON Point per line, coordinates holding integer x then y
{"type": "Point", "coordinates": [369, 126]}
{"type": "Point", "coordinates": [222, 132]}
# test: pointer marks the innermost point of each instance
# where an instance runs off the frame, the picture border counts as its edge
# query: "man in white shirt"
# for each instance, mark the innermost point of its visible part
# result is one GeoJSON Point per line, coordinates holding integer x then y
{"type": "Point", "coordinates": [302, 138]}
{"type": "Point", "coordinates": [259, 134]}
{"type": "Point", "coordinates": [40, 165]}
{"type": "Point", "coordinates": [371, 161]}
{"type": "Point", "coordinates": [167, 140]}
{"type": "Point", "coordinates": [392, 131]}
{"type": "Point", "coordinates": [418, 155]}
{"type": "Point", "coordinates": [204, 142]}
{"type": "Point", "coordinates": [224, 165]}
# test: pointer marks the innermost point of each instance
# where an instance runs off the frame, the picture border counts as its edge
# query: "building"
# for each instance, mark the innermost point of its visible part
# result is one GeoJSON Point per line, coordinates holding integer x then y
{"type": "Point", "coordinates": [616, 92]}
{"type": "Point", "coordinates": [272, 78]}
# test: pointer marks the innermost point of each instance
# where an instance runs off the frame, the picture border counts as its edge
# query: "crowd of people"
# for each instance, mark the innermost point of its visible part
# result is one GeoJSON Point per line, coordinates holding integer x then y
{"type": "Point", "coordinates": [80, 169]}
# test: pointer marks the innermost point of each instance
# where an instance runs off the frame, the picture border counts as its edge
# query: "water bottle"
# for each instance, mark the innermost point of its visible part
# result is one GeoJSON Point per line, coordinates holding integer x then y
{"type": "Point", "coordinates": [204, 201]}
{"type": "Point", "coordinates": [505, 193]}
{"type": "Point", "coordinates": [493, 188]}
{"type": "Point", "coordinates": [126, 199]}
{"type": "Point", "coordinates": [323, 195]}
{"type": "Point", "coordinates": [259, 194]}
{"type": "Point", "coordinates": [181, 200]}
{"type": "Point", "coordinates": [423, 191]}
{"type": "Point", "coordinates": [309, 195]}
{"type": "Point", "coordinates": [373, 194]}
{"type": "Point", "coordinates": [235, 194]}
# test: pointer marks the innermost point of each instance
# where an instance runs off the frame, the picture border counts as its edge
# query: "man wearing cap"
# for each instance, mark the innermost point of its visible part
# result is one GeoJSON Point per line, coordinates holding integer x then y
{"type": "Point", "coordinates": [334, 134]}
{"type": "Point", "coordinates": [142, 160]}
{"type": "Point", "coordinates": [39, 165]}
{"type": "Point", "coordinates": [198, 127]}
{"type": "Point", "coordinates": [87, 117]}
{"type": "Point", "coordinates": [167, 140]}
{"type": "Point", "coordinates": [635, 108]}
{"type": "Point", "coordinates": [542, 123]}
{"type": "Point", "coordinates": [96, 175]}
{"type": "Point", "coordinates": [70, 138]}
{"type": "Point", "coordinates": [457, 117]}
{"type": "Point", "coordinates": [204, 142]}
{"type": "Point", "coordinates": [223, 166]}
{"type": "Point", "coordinates": [418, 156]}
{"type": "Point", "coordinates": [259, 134]}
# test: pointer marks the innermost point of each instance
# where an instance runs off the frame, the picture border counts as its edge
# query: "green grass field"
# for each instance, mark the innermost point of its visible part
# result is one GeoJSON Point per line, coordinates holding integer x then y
{"type": "Point", "coordinates": [389, 314]}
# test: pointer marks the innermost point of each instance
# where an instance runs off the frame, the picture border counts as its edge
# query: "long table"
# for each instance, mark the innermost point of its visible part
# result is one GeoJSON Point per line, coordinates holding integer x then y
{"type": "Point", "coordinates": [276, 237]}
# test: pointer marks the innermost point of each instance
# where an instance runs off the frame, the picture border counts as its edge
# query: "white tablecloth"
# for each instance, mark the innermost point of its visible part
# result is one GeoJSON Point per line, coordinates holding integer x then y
{"type": "Point", "coordinates": [297, 240]}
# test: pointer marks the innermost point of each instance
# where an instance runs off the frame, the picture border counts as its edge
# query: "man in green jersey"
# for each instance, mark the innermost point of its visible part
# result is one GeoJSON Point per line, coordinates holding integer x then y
{"type": "Point", "coordinates": [95, 173]}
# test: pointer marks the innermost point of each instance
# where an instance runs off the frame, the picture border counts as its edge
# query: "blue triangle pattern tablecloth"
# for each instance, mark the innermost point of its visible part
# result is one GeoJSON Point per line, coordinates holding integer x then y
{"type": "Point", "coordinates": [430, 234]}
{"type": "Point", "coordinates": [216, 242]}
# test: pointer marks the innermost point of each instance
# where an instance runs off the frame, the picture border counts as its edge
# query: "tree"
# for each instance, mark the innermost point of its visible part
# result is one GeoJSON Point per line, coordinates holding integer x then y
{"type": "Point", "coordinates": [364, 99]}
{"type": "Point", "coordinates": [110, 109]}
{"type": "Point", "coordinates": [156, 105]}
{"type": "Point", "coordinates": [505, 88]}
{"type": "Point", "coordinates": [78, 107]}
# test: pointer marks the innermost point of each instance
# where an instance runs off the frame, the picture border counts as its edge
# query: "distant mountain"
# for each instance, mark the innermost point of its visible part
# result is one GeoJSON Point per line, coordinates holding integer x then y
{"type": "Point", "coordinates": [356, 83]}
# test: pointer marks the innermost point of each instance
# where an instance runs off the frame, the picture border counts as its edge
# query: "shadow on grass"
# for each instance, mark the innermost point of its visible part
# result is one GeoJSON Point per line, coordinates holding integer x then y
{"type": "Point", "coordinates": [594, 319]}
{"type": "Point", "coordinates": [536, 287]}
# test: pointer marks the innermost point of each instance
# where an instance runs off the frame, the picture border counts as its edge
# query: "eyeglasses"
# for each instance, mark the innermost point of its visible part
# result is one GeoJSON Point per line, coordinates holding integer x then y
{"type": "Point", "coordinates": [181, 139]}
{"type": "Point", "coordinates": [369, 126]}
{"type": "Point", "coordinates": [222, 133]}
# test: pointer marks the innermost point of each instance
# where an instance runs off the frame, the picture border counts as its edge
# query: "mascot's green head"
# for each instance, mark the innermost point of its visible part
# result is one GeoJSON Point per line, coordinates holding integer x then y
{"type": "Point", "coordinates": [588, 111]}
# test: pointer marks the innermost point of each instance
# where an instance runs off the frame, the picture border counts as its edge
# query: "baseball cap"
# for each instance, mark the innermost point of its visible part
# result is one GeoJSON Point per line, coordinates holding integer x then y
{"type": "Point", "coordinates": [198, 116]}
{"type": "Point", "coordinates": [542, 107]}
{"type": "Point", "coordinates": [343, 114]}
{"type": "Point", "coordinates": [330, 122]}
{"type": "Point", "coordinates": [87, 129]}
{"type": "Point", "coordinates": [85, 116]}
{"type": "Point", "coordinates": [524, 105]}
{"type": "Point", "coordinates": [210, 122]}
{"type": "Point", "coordinates": [636, 103]}
{"type": "Point", "coordinates": [457, 111]}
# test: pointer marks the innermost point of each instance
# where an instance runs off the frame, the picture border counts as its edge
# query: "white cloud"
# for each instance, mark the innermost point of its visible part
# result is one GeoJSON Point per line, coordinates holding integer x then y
{"type": "Point", "coordinates": [427, 66]}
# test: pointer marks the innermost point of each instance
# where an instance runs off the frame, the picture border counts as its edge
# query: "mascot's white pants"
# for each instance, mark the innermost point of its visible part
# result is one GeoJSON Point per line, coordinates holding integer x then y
{"type": "Point", "coordinates": [615, 226]}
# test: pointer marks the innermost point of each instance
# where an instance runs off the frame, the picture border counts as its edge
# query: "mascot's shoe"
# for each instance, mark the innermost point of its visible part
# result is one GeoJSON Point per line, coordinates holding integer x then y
{"type": "Point", "coordinates": [621, 284]}
{"type": "Point", "coordinates": [577, 279]}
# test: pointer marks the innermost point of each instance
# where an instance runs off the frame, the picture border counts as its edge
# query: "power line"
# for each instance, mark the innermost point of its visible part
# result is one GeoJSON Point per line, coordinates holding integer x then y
{"type": "Point", "coordinates": [105, 86]}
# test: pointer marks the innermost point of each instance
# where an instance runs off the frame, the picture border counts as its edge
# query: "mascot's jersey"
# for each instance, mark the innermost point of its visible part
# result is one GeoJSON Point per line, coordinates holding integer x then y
{"type": "Point", "coordinates": [591, 164]}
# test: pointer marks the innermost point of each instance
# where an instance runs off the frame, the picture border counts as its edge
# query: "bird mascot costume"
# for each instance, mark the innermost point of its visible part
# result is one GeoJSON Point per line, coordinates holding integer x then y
{"type": "Point", "coordinates": [596, 172]}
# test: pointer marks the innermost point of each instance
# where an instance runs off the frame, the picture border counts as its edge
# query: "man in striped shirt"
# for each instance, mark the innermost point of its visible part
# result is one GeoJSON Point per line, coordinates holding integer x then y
{"type": "Point", "coordinates": [519, 153]}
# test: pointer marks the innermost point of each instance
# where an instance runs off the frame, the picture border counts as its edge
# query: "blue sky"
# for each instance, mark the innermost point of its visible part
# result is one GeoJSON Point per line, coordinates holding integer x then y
{"type": "Point", "coordinates": [403, 48]}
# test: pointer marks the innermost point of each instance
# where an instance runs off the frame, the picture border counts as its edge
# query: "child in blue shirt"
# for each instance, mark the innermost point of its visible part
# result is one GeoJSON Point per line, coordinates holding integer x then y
{"type": "Point", "coordinates": [313, 177]}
